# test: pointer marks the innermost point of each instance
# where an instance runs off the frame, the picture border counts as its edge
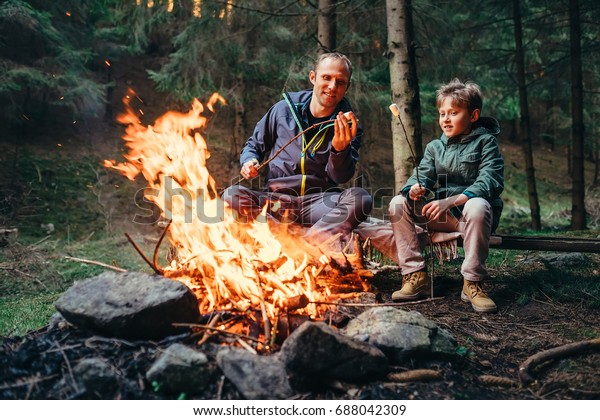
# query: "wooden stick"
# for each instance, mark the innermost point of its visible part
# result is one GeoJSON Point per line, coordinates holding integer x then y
{"type": "Point", "coordinates": [112, 267]}
{"type": "Point", "coordinates": [263, 310]}
{"type": "Point", "coordinates": [137, 248]}
{"type": "Point", "coordinates": [369, 305]}
{"type": "Point", "coordinates": [158, 244]}
{"type": "Point", "coordinates": [554, 353]}
{"type": "Point", "coordinates": [75, 384]}
{"type": "Point", "coordinates": [290, 141]}
{"type": "Point", "coordinates": [204, 327]}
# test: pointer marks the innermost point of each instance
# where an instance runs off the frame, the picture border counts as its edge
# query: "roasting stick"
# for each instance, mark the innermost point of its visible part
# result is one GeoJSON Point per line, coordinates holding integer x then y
{"type": "Point", "coordinates": [396, 111]}
{"type": "Point", "coordinates": [290, 141]}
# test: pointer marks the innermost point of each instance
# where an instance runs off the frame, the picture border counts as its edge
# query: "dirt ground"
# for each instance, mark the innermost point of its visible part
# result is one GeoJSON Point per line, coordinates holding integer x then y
{"type": "Point", "coordinates": [491, 350]}
{"type": "Point", "coordinates": [491, 347]}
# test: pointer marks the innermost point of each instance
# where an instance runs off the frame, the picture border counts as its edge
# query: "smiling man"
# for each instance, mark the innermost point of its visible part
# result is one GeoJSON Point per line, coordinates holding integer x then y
{"type": "Point", "coordinates": [302, 184]}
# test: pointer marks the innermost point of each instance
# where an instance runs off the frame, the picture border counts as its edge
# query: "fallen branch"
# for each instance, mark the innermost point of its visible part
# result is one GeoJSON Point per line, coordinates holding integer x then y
{"type": "Point", "coordinates": [137, 248]}
{"type": "Point", "coordinates": [555, 353]}
{"type": "Point", "coordinates": [112, 267]}
{"type": "Point", "coordinates": [155, 263]}
{"type": "Point", "coordinates": [30, 380]}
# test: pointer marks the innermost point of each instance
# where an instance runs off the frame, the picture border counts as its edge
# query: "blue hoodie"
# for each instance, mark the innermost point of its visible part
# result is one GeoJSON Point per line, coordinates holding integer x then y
{"type": "Point", "coordinates": [309, 164]}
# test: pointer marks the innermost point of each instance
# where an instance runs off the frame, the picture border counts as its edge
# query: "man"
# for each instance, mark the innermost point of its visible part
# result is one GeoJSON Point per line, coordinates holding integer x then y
{"type": "Point", "coordinates": [302, 183]}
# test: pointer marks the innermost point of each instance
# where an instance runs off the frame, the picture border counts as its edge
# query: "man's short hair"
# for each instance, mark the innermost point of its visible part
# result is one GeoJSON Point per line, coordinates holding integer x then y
{"type": "Point", "coordinates": [333, 56]}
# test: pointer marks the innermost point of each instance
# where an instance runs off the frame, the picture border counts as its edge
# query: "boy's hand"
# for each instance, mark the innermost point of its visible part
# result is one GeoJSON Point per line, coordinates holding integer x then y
{"type": "Point", "coordinates": [416, 192]}
{"type": "Point", "coordinates": [434, 209]}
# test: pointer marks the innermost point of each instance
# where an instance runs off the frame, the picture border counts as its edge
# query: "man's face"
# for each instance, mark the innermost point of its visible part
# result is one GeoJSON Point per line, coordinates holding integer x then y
{"type": "Point", "coordinates": [330, 82]}
{"type": "Point", "coordinates": [456, 119]}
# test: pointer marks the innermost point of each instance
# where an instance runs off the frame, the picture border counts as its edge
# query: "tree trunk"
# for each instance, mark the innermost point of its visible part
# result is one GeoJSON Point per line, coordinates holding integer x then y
{"type": "Point", "coordinates": [578, 198]}
{"type": "Point", "coordinates": [237, 136]}
{"type": "Point", "coordinates": [596, 164]}
{"type": "Point", "coordinates": [406, 129]}
{"type": "Point", "coordinates": [525, 134]}
{"type": "Point", "coordinates": [326, 26]}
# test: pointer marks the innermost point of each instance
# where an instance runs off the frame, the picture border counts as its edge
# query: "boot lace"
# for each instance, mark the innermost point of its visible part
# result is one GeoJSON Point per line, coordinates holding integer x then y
{"type": "Point", "coordinates": [410, 278]}
{"type": "Point", "coordinates": [475, 289]}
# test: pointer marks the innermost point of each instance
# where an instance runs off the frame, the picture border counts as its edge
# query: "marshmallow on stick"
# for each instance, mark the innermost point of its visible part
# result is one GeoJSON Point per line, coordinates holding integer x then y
{"type": "Point", "coordinates": [395, 110]}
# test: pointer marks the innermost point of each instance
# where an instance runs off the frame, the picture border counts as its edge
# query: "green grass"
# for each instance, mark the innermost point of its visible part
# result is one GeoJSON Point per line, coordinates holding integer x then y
{"type": "Point", "coordinates": [33, 277]}
{"type": "Point", "coordinates": [23, 314]}
{"type": "Point", "coordinates": [90, 207]}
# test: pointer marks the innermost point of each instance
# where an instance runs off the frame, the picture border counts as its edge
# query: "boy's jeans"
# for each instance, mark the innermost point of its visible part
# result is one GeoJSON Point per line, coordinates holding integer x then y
{"type": "Point", "coordinates": [475, 225]}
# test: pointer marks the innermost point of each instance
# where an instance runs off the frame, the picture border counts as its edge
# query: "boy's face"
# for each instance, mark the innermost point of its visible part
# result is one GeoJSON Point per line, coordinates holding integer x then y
{"type": "Point", "coordinates": [455, 119]}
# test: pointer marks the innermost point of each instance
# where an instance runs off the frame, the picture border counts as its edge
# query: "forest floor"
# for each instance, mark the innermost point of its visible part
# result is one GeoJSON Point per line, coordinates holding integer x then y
{"type": "Point", "coordinates": [541, 306]}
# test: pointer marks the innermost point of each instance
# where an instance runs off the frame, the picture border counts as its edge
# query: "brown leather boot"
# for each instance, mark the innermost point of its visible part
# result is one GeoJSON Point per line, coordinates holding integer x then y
{"type": "Point", "coordinates": [473, 292]}
{"type": "Point", "coordinates": [414, 285]}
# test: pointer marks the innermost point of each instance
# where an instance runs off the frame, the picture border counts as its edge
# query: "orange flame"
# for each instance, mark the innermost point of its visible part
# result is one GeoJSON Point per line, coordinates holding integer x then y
{"type": "Point", "coordinates": [227, 264]}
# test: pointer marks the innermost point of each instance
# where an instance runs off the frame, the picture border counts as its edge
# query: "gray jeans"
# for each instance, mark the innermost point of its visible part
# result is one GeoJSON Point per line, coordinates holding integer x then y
{"type": "Point", "coordinates": [324, 214]}
{"type": "Point", "coordinates": [399, 240]}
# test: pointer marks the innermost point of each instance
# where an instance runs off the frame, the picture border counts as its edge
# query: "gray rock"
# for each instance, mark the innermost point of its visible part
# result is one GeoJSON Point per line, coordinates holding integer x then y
{"type": "Point", "coordinates": [316, 350]}
{"type": "Point", "coordinates": [96, 376]}
{"type": "Point", "coordinates": [256, 377]}
{"type": "Point", "coordinates": [565, 260]}
{"type": "Point", "coordinates": [399, 333]}
{"type": "Point", "coordinates": [180, 369]}
{"type": "Point", "coordinates": [129, 305]}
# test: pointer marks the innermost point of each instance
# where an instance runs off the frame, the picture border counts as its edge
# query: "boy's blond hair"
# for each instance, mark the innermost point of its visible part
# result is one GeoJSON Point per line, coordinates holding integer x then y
{"type": "Point", "coordinates": [461, 93]}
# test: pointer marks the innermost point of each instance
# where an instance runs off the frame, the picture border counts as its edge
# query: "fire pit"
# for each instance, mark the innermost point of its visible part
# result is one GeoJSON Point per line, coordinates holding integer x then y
{"type": "Point", "coordinates": [229, 265]}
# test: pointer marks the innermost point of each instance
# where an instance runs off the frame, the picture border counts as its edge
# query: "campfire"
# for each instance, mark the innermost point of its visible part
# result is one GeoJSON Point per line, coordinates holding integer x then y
{"type": "Point", "coordinates": [229, 265]}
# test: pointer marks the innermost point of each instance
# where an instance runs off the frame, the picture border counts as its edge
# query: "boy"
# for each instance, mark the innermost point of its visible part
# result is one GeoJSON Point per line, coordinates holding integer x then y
{"type": "Point", "coordinates": [467, 171]}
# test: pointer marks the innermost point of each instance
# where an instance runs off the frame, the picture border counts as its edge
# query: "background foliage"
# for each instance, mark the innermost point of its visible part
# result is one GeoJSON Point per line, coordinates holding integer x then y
{"type": "Point", "coordinates": [57, 77]}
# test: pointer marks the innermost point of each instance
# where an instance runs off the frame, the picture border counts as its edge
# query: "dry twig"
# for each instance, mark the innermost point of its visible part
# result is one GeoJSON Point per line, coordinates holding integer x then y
{"type": "Point", "coordinates": [371, 305]}
{"type": "Point", "coordinates": [137, 248]}
{"type": "Point", "coordinates": [82, 260]}
{"type": "Point", "coordinates": [555, 353]}
{"type": "Point", "coordinates": [224, 332]}
{"type": "Point", "coordinates": [155, 260]}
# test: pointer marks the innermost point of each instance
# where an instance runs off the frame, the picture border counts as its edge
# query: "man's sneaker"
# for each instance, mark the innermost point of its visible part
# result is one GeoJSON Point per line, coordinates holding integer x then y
{"type": "Point", "coordinates": [414, 285]}
{"type": "Point", "coordinates": [472, 292]}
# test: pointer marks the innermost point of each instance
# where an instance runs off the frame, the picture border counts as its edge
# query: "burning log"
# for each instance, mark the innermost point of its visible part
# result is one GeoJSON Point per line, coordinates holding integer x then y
{"type": "Point", "coordinates": [295, 302]}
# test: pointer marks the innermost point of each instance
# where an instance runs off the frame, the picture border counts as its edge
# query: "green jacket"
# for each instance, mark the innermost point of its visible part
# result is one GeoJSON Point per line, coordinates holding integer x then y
{"type": "Point", "coordinates": [470, 164]}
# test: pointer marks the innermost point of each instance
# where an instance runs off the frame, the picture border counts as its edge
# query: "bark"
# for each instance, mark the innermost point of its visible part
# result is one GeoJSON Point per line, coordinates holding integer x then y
{"type": "Point", "coordinates": [237, 137]}
{"type": "Point", "coordinates": [405, 89]}
{"type": "Point", "coordinates": [525, 124]}
{"type": "Point", "coordinates": [326, 26]}
{"type": "Point", "coordinates": [596, 181]}
{"type": "Point", "coordinates": [578, 221]}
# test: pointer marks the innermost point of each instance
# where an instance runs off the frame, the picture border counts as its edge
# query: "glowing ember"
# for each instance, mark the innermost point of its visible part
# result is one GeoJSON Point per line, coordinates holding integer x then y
{"type": "Point", "coordinates": [228, 264]}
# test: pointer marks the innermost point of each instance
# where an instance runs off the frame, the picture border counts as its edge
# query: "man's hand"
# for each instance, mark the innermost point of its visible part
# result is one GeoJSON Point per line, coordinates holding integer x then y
{"type": "Point", "coordinates": [345, 129]}
{"type": "Point", "coordinates": [249, 169]}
